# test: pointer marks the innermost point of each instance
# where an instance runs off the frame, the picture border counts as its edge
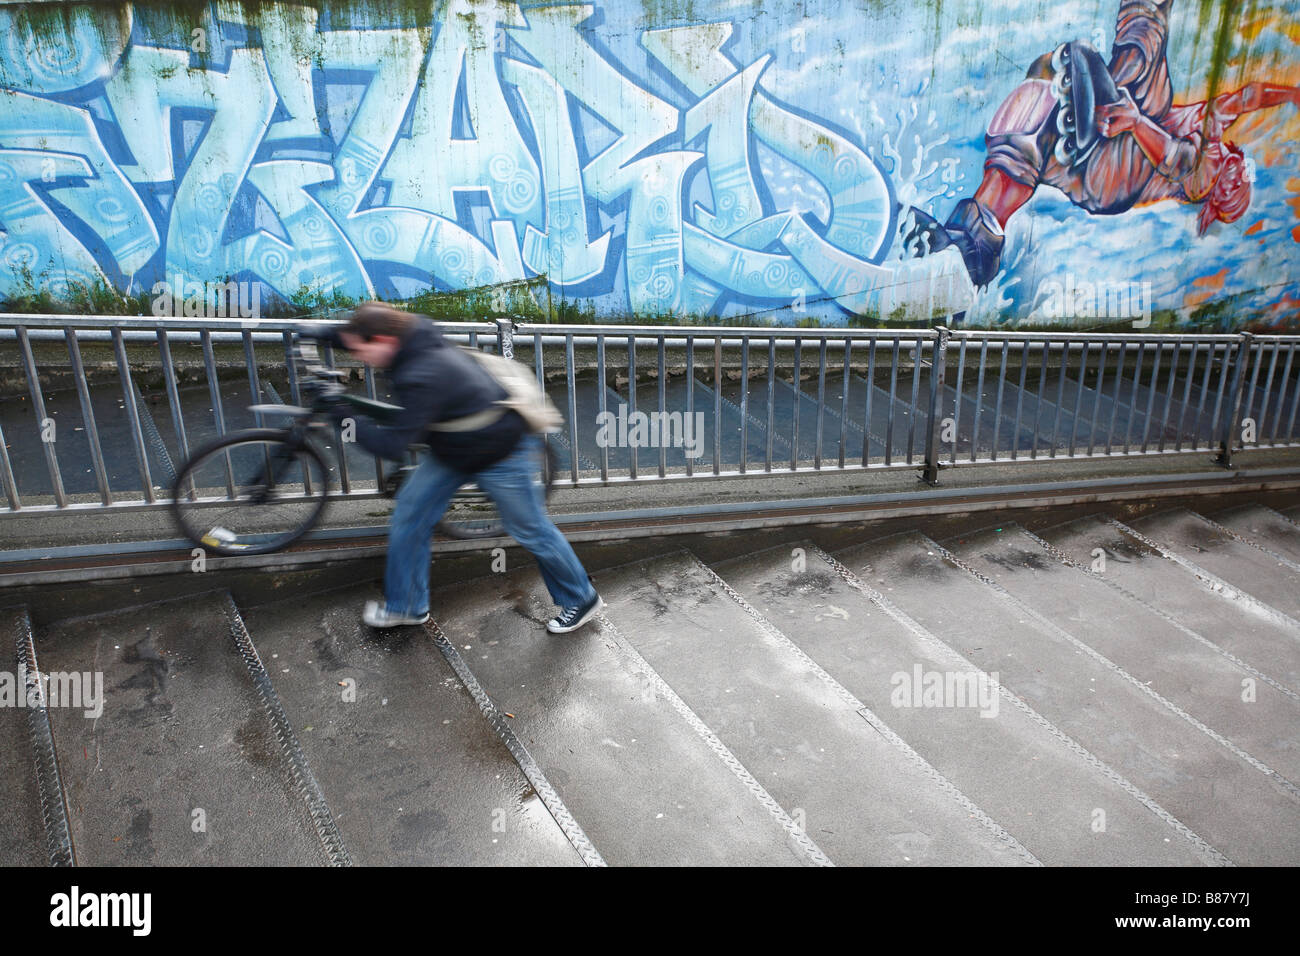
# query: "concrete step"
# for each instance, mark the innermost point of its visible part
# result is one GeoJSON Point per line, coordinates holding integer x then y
{"type": "Point", "coordinates": [24, 437]}
{"type": "Point", "coordinates": [1264, 526]}
{"type": "Point", "coordinates": [783, 416]}
{"type": "Point", "coordinates": [676, 400]}
{"type": "Point", "coordinates": [1252, 632]}
{"type": "Point", "coordinates": [1194, 676]}
{"type": "Point", "coordinates": [22, 828]}
{"type": "Point", "coordinates": [586, 394]}
{"type": "Point", "coordinates": [182, 731]}
{"type": "Point", "coordinates": [1228, 803]}
{"type": "Point", "coordinates": [1157, 414]}
{"type": "Point", "coordinates": [1094, 406]}
{"type": "Point", "coordinates": [1040, 420]}
{"type": "Point", "coordinates": [412, 772]}
{"type": "Point", "coordinates": [639, 773]}
{"type": "Point", "coordinates": [1269, 578]}
{"type": "Point", "coordinates": [864, 800]}
{"type": "Point", "coordinates": [747, 427]}
{"type": "Point", "coordinates": [992, 421]}
{"type": "Point", "coordinates": [906, 417]}
{"type": "Point", "coordinates": [1030, 778]}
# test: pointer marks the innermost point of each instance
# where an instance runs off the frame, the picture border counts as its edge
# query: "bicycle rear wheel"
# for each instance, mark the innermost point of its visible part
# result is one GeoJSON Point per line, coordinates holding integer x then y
{"type": "Point", "coordinates": [250, 492]}
{"type": "Point", "coordinates": [472, 514]}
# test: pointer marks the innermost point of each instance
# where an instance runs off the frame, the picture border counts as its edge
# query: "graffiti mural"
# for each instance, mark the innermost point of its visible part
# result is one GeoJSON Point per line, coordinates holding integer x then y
{"type": "Point", "coordinates": [731, 159]}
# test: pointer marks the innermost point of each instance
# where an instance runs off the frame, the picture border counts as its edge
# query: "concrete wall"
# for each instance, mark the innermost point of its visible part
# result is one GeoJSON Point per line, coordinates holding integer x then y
{"type": "Point", "coordinates": [755, 161]}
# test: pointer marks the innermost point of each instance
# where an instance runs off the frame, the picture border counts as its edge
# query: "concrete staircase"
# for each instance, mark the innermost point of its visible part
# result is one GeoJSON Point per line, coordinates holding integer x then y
{"type": "Point", "coordinates": [1096, 693]}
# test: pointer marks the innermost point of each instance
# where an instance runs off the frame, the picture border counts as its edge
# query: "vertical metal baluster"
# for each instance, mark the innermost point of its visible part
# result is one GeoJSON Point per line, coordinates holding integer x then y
{"type": "Point", "coordinates": [1224, 376]}
{"type": "Point", "coordinates": [1060, 394]}
{"type": "Point", "coordinates": [1137, 381]}
{"type": "Point", "coordinates": [1169, 395]}
{"type": "Point", "coordinates": [214, 395]}
{"type": "Point", "coordinates": [1119, 378]}
{"type": "Point", "coordinates": [957, 388]}
{"type": "Point", "coordinates": [174, 401]}
{"type": "Point", "coordinates": [690, 402]}
{"type": "Point", "coordinates": [569, 375]}
{"type": "Point", "coordinates": [1205, 396]}
{"type": "Point", "coordinates": [794, 445]}
{"type": "Point", "coordinates": [1042, 392]}
{"type": "Point", "coordinates": [844, 401]}
{"type": "Point", "coordinates": [254, 381]}
{"type": "Point", "coordinates": [255, 390]}
{"type": "Point", "coordinates": [1187, 396]}
{"type": "Point", "coordinates": [744, 403]}
{"type": "Point", "coordinates": [38, 410]}
{"type": "Point", "coordinates": [696, 433]}
{"type": "Point", "coordinates": [133, 415]}
{"type": "Point", "coordinates": [821, 402]}
{"type": "Point", "coordinates": [7, 479]}
{"type": "Point", "coordinates": [1020, 400]}
{"type": "Point", "coordinates": [345, 475]}
{"type": "Point", "coordinates": [1268, 392]}
{"type": "Point", "coordinates": [1253, 392]}
{"type": "Point", "coordinates": [717, 404]}
{"type": "Point", "coordinates": [1151, 398]}
{"type": "Point", "coordinates": [539, 369]}
{"type": "Point", "coordinates": [1286, 383]}
{"type": "Point", "coordinates": [979, 403]}
{"type": "Point", "coordinates": [631, 399]}
{"type": "Point", "coordinates": [1002, 380]}
{"type": "Point", "coordinates": [871, 387]}
{"type": "Point", "coordinates": [1230, 431]}
{"type": "Point", "coordinates": [88, 415]}
{"type": "Point", "coordinates": [1078, 398]}
{"type": "Point", "coordinates": [295, 396]}
{"type": "Point", "coordinates": [938, 368]}
{"type": "Point", "coordinates": [601, 400]}
{"type": "Point", "coordinates": [771, 401]}
{"type": "Point", "coordinates": [663, 409]}
{"type": "Point", "coordinates": [916, 399]}
{"type": "Point", "coordinates": [893, 388]}
{"type": "Point", "coordinates": [290, 366]}
{"type": "Point", "coordinates": [1295, 404]}
{"type": "Point", "coordinates": [1096, 399]}
{"type": "Point", "coordinates": [371, 392]}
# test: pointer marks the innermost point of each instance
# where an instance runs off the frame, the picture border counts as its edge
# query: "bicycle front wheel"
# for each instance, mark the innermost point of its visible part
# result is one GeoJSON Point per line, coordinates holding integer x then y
{"type": "Point", "coordinates": [250, 492]}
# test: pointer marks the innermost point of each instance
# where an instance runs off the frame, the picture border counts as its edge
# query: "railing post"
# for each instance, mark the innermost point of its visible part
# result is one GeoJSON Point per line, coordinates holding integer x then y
{"type": "Point", "coordinates": [1233, 422]}
{"type": "Point", "coordinates": [506, 337]}
{"type": "Point", "coordinates": [938, 367]}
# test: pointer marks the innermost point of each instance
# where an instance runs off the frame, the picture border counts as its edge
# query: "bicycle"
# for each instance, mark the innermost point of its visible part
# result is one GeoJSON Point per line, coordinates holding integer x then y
{"type": "Point", "coordinates": [258, 490]}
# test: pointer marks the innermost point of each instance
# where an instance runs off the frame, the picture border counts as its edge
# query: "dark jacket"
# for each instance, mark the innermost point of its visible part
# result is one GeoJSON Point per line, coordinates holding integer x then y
{"type": "Point", "coordinates": [436, 381]}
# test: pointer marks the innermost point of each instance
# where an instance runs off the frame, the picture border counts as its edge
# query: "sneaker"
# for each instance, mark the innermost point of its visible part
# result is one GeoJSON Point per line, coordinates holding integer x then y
{"type": "Point", "coordinates": [377, 616]}
{"type": "Point", "coordinates": [572, 618]}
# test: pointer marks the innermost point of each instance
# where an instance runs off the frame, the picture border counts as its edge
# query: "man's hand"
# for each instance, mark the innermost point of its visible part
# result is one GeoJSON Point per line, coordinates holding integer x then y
{"type": "Point", "coordinates": [1115, 118]}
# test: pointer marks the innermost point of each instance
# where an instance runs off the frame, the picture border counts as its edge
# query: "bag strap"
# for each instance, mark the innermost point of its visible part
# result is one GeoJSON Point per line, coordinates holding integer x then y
{"type": "Point", "coordinates": [470, 423]}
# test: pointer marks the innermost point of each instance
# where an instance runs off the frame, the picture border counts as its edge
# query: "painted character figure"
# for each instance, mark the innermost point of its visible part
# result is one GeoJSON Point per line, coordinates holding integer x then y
{"type": "Point", "coordinates": [1110, 137]}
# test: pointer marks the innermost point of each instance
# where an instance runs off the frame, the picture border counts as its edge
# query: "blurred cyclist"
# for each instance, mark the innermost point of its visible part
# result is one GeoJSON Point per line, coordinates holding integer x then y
{"type": "Point", "coordinates": [435, 382]}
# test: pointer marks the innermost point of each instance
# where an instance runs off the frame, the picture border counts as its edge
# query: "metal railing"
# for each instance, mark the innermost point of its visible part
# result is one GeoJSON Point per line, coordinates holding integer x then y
{"type": "Point", "coordinates": [651, 403]}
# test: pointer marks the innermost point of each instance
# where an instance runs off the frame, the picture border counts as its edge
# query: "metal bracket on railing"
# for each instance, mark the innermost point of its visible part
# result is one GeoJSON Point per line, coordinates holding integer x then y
{"type": "Point", "coordinates": [1233, 423]}
{"type": "Point", "coordinates": [506, 337]}
{"type": "Point", "coordinates": [938, 366]}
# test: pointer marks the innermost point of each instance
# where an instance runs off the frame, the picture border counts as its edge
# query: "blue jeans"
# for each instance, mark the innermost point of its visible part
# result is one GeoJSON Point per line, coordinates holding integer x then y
{"type": "Point", "coordinates": [513, 483]}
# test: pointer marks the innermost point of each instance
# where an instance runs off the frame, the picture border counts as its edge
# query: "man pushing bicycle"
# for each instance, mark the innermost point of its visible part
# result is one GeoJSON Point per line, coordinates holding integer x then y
{"type": "Point", "coordinates": [454, 405]}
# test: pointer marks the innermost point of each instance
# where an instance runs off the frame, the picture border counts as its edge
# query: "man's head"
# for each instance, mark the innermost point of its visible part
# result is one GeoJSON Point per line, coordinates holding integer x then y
{"type": "Point", "coordinates": [1230, 197]}
{"type": "Point", "coordinates": [375, 332]}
